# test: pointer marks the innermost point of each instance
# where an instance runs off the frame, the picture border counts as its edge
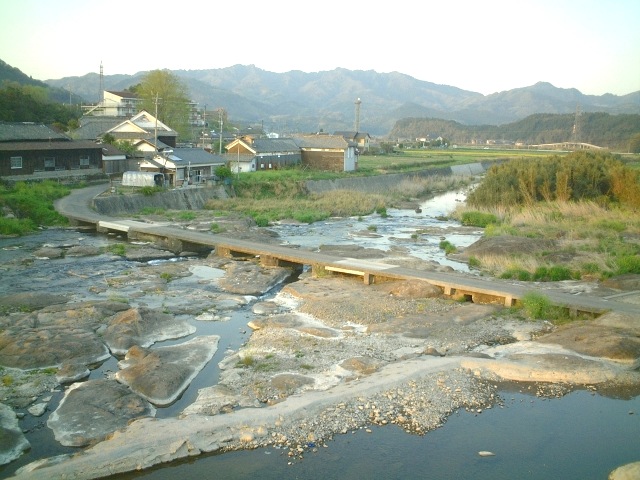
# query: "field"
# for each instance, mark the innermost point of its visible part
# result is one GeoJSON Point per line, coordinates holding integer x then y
{"type": "Point", "coordinates": [411, 160]}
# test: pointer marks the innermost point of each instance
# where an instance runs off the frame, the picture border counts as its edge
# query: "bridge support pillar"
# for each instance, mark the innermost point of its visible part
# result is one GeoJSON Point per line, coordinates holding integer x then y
{"type": "Point", "coordinates": [508, 301]}
{"type": "Point", "coordinates": [269, 261]}
{"type": "Point", "coordinates": [368, 278]}
{"type": "Point", "coordinates": [223, 252]}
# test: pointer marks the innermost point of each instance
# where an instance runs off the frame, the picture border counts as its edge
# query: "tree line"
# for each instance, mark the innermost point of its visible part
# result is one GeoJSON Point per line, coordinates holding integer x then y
{"type": "Point", "coordinates": [618, 132]}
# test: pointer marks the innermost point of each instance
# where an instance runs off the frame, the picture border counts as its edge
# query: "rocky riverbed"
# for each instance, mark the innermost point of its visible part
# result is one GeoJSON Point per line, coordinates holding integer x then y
{"type": "Point", "coordinates": [326, 356]}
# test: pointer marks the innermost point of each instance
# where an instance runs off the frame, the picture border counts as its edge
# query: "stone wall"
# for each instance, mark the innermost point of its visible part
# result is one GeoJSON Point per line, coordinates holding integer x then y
{"type": "Point", "coordinates": [382, 183]}
{"type": "Point", "coordinates": [179, 199]}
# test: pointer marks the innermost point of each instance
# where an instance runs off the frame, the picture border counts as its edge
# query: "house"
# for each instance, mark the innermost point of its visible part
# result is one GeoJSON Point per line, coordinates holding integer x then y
{"type": "Point", "coordinates": [116, 104]}
{"type": "Point", "coordinates": [183, 166]}
{"type": "Point", "coordinates": [29, 149]}
{"type": "Point", "coordinates": [246, 154]}
{"type": "Point", "coordinates": [115, 161]}
{"type": "Point", "coordinates": [328, 152]}
{"type": "Point", "coordinates": [93, 128]}
{"type": "Point", "coordinates": [143, 126]}
{"type": "Point", "coordinates": [362, 140]}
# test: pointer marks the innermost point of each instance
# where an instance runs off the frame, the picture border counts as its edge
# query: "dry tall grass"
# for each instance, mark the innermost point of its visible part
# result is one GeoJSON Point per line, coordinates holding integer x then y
{"type": "Point", "coordinates": [590, 238]}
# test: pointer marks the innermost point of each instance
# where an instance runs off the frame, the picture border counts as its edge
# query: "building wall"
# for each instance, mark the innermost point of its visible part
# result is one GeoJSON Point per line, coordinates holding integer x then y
{"type": "Point", "coordinates": [34, 161]}
{"type": "Point", "coordinates": [330, 160]}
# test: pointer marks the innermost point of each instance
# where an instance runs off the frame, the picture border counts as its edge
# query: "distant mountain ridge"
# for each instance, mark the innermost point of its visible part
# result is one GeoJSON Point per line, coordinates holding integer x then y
{"type": "Point", "coordinates": [297, 101]}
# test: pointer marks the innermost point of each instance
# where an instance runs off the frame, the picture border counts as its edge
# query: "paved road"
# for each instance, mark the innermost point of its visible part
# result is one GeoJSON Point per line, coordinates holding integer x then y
{"type": "Point", "coordinates": [77, 206]}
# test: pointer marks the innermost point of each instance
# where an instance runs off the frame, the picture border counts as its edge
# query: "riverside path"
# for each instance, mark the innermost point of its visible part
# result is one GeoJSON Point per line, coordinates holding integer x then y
{"type": "Point", "coordinates": [77, 207]}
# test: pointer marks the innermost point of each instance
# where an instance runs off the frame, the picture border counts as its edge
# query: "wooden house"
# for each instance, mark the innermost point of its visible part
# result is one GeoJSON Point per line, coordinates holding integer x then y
{"type": "Point", "coordinates": [327, 152]}
{"type": "Point", "coordinates": [28, 149]}
{"type": "Point", "coordinates": [248, 155]}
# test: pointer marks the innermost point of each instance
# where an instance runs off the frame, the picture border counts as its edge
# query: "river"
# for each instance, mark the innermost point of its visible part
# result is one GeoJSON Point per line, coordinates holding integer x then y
{"type": "Point", "coordinates": [582, 435]}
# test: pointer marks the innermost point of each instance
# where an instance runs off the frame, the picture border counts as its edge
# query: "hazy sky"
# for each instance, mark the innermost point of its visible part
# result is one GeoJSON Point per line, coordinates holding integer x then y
{"type": "Point", "coordinates": [483, 46]}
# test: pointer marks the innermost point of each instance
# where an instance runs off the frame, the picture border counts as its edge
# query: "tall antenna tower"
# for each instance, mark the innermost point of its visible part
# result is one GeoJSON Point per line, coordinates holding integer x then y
{"type": "Point", "coordinates": [576, 125]}
{"type": "Point", "coordinates": [357, 125]}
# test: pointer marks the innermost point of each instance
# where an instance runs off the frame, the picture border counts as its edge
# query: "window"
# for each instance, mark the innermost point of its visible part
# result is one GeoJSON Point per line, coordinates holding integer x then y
{"type": "Point", "coordinates": [84, 160]}
{"type": "Point", "coordinates": [49, 163]}
{"type": "Point", "coordinates": [16, 162]}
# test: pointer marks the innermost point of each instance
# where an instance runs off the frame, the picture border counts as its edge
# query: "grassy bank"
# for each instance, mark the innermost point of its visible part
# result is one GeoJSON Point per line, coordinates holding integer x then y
{"type": "Point", "coordinates": [272, 196]}
{"type": "Point", "coordinates": [592, 241]}
{"type": "Point", "coordinates": [27, 206]}
{"type": "Point", "coordinates": [587, 204]}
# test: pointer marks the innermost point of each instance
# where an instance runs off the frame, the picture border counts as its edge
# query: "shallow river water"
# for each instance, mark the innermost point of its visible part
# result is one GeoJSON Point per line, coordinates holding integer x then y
{"type": "Point", "coordinates": [580, 436]}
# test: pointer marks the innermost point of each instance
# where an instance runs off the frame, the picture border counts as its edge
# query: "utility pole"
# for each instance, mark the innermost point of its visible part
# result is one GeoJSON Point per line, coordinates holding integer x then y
{"type": "Point", "coordinates": [155, 137]}
{"type": "Point", "coordinates": [220, 112]}
{"type": "Point", "coordinates": [357, 124]}
{"type": "Point", "coordinates": [204, 119]}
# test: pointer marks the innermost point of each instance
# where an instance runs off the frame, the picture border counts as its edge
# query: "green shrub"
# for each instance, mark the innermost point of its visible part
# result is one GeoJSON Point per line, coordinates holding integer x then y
{"type": "Point", "coordinates": [216, 228]}
{"type": "Point", "coordinates": [628, 264]}
{"type": "Point", "coordinates": [448, 247]}
{"type": "Point", "coordinates": [148, 191]}
{"type": "Point", "coordinates": [478, 219]}
{"type": "Point", "coordinates": [262, 221]}
{"type": "Point", "coordinates": [15, 226]}
{"type": "Point", "coordinates": [474, 262]}
{"type": "Point", "coordinates": [187, 215]}
{"type": "Point", "coordinates": [517, 273]}
{"type": "Point", "coordinates": [117, 249]}
{"type": "Point", "coordinates": [537, 306]}
{"type": "Point", "coordinates": [555, 273]}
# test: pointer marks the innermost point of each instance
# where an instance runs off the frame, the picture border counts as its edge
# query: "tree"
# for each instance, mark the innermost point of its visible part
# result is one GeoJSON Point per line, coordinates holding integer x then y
{"type": "Point", "coordinates": [163, 93]}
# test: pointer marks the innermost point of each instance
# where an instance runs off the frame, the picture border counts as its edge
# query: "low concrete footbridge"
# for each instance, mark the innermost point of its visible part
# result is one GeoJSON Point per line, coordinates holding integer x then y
{"type": "Point", "coordinates": [76, 207]}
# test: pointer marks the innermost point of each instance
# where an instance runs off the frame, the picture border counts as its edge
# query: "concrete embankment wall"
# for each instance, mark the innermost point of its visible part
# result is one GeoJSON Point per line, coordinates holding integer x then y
{"type": "Point", "coordinates": [382, 183]}
{"type": "Point", "coordinates": [179, 199]}
{"type": "Point", "coordinates": [196, 198]}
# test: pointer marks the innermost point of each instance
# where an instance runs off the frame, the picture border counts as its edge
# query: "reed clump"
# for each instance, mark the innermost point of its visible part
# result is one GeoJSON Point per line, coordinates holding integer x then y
{"type": "Point", "coordinates": [593, 220]}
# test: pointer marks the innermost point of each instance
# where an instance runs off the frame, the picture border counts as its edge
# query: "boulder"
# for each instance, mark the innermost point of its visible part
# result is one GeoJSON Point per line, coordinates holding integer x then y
{"type": "Point", "coordinates": [413, 289]}
{"type": "Point", "coordinates": [29, 348]}
{"type": "Point", "coordinates": [160, 375]}
{"type": "Point", "coordinates": [289, 383]}
{"type": "Point", "coordinates": [30, 301]}
{"type": "Point", "coordinates": [505, 246]}
{"type": "Point", "coordinates": [49, 252]}
{"type": "Point", "coordinates": [361, 365]}
{"type": "Point", "coordinates": [219, 399]}
{"type": "Point", "coordinates": [615, 336]}
{"type": "Point", "coordinates": [630, 471]}
{"type": "Point", "coordinates": [248, 278]}
{"type": "Point", "coordinates": [72, 372]}
{"type": "Point", "coordinates": [142, 326]}
{"type": "Point", "coordinates": [12, 441]}
{"type": "Point", "coordinates": [92, 410]}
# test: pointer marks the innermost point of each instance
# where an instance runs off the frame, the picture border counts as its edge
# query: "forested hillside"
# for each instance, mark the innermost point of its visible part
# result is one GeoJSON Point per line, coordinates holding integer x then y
{"type": "Point", "coordinates": [617, 132]}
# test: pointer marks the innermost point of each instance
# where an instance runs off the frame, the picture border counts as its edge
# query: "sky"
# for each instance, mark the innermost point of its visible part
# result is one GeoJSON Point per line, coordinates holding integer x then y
{"type": "Point", "coordinates": [483, 46]}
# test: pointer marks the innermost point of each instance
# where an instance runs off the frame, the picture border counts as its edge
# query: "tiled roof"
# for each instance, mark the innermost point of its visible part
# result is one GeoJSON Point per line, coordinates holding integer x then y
{"type": "Point", "coordinates": [275, 145]}
{"type": "Point", "coordinates": [197, 156]}
{"type": "Point", "coordinates": [26, 131]}
{"type": "Point", "coordinates": [321, 141]}
{"type": "Point", "coordinates": [93, 127]}
{"type": "Point", "coordinates": [123, 94]}
{"type": "Point", "coordinates": [70, 145]}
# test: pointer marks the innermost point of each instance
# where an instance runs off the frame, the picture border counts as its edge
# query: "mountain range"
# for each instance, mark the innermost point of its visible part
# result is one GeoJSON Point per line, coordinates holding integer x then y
{"type": "Point", "coordinates": [298, 101]}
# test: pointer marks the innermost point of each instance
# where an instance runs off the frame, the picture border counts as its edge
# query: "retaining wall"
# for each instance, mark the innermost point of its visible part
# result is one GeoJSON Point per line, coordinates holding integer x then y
{"type": "Point", "coordinates": [179, 199]}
